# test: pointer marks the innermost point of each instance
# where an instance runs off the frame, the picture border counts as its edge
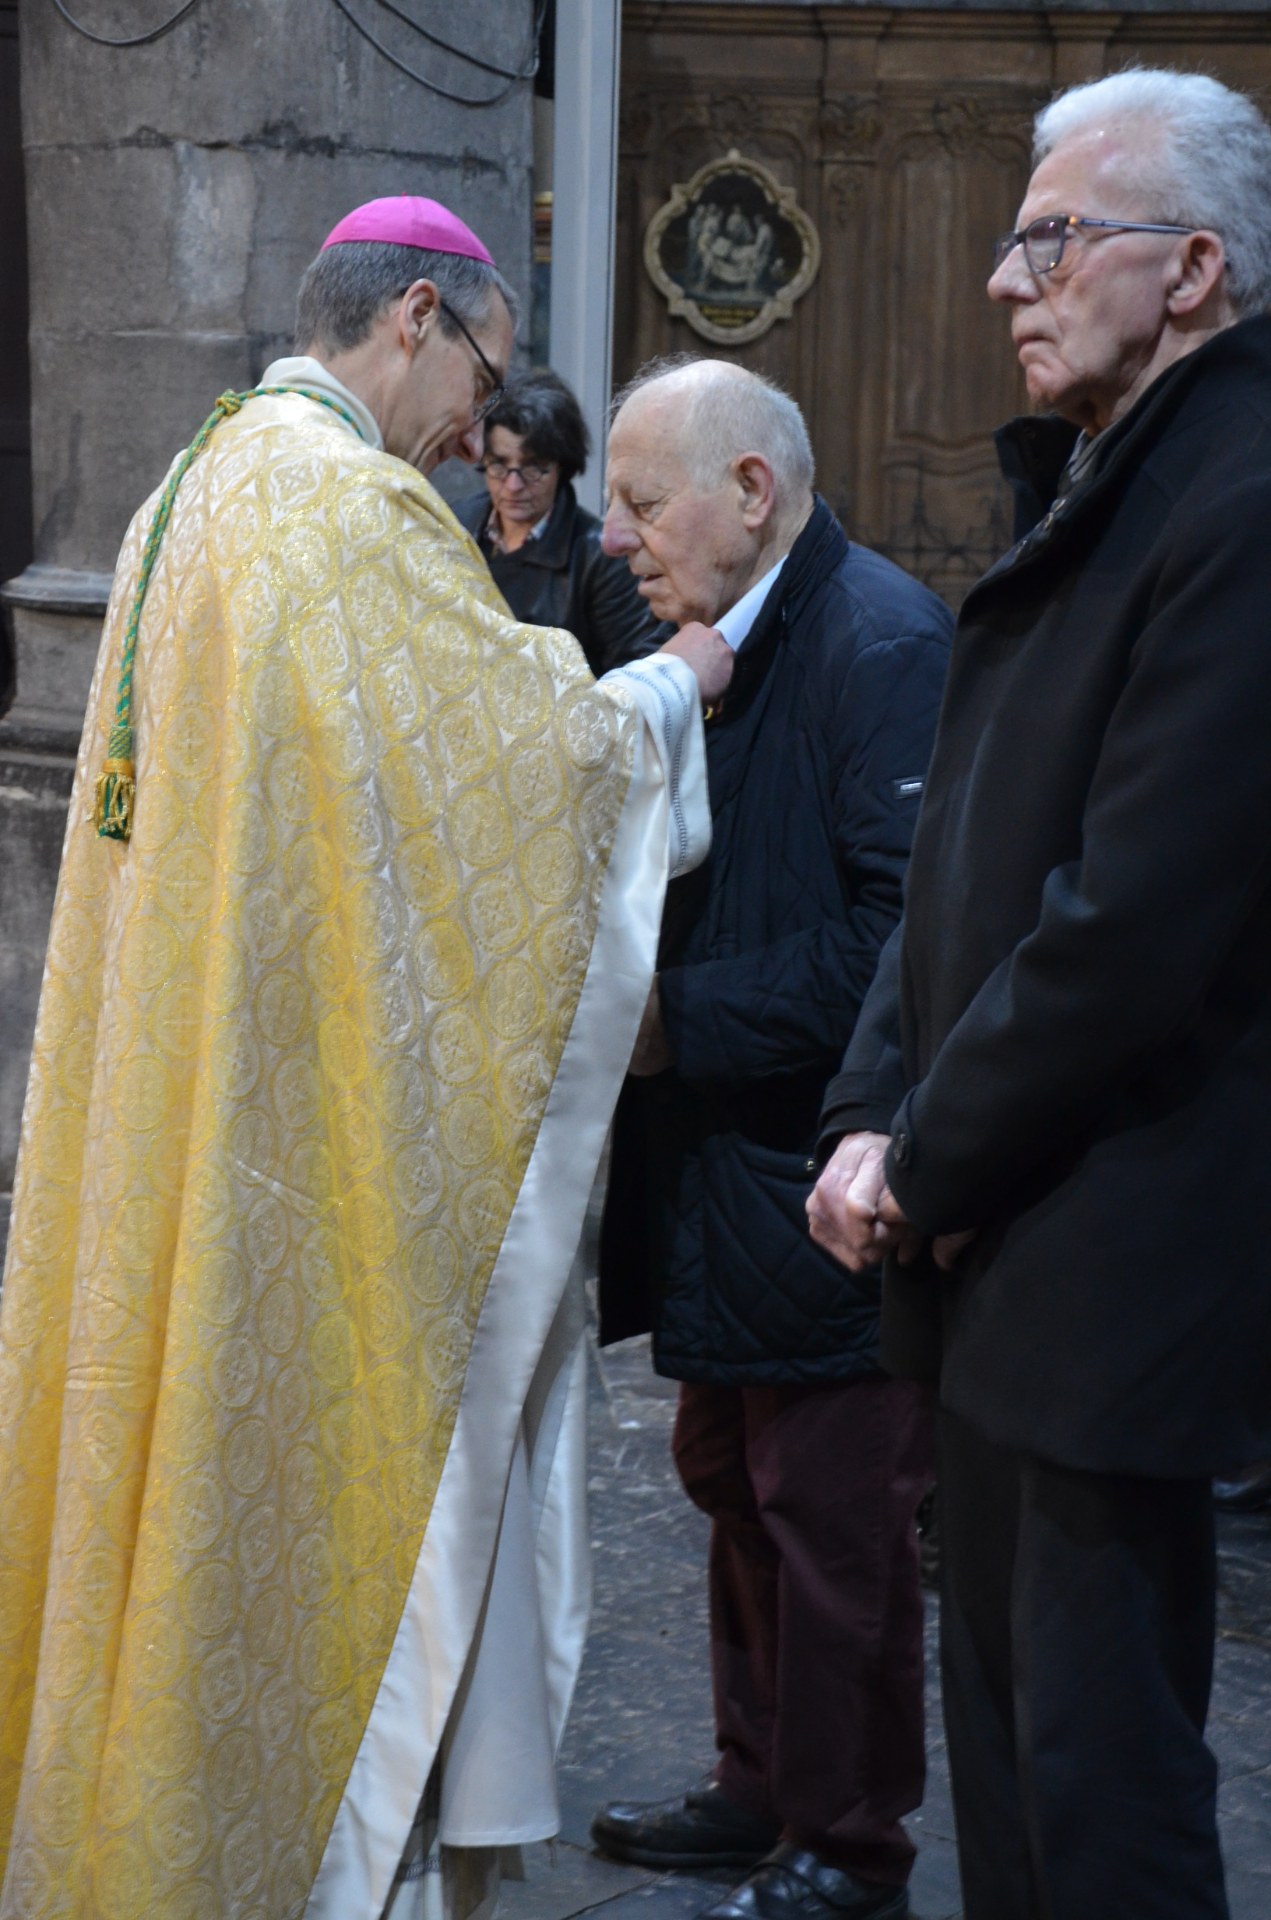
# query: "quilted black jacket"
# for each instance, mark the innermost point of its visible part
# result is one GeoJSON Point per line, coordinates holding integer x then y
{"type": "Point", "coordinates": [565, 579]}
{"type": "Point", "coordinates": [816, 764]}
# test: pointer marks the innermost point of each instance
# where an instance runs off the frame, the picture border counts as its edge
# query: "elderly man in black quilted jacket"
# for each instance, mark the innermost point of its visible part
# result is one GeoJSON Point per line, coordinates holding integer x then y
{"type": "Point", "coordinates": [809, 1462]}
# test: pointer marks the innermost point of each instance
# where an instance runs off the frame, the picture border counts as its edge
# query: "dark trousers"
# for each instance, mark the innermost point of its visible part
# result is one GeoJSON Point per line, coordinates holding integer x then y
{"type": "Point", "coordinates": [1077, 1634]}
{"type": "Point", "coordinates": [815, 1606]}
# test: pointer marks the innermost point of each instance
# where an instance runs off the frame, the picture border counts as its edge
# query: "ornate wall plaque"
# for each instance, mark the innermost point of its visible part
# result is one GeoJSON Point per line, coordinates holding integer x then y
{"type": "Point", "coordinates": [731, 251]}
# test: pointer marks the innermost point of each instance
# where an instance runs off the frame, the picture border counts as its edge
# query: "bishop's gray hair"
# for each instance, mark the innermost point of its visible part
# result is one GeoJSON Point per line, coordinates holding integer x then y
{"type": "Point", "coordinates": [1205, 161]}
{"type": "Point", "coordinates": [346, 289]}
{"type": "Point", "coordinates": [728, 411]}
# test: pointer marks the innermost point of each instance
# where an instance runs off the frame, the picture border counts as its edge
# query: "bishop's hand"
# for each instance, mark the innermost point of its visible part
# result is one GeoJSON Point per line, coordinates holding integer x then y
{"type": "Point", "coordinates": [708, 654]}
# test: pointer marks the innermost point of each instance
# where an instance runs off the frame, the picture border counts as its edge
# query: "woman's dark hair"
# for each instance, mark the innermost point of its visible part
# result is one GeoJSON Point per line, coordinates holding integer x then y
{"type": "Point", "coordinates": [540, 409]}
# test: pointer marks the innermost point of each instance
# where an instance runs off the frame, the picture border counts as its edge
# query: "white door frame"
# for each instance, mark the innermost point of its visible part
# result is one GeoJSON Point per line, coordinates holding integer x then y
{"type": "Point", "coordinates": [584, 201]}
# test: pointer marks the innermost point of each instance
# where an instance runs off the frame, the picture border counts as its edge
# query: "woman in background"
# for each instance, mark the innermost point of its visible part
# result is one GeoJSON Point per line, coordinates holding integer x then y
{"type": "Point", "coordinates": [542, 547]}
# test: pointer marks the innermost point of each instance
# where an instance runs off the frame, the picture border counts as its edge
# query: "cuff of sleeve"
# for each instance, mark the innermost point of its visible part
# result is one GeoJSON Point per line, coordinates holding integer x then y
{"type": "Point", "coordinates": [930, 1211]}
{"type": "Point", "coordinates": [664, 689]}
{"type": "Point", "coordinates": [900, 1165]}
{"type": "Point", "coordinates": [853, 1103]}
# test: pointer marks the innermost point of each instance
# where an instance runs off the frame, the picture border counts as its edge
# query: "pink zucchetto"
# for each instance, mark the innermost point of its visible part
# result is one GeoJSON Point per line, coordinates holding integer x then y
{"type": "Point", "coordinates": [405, 220]}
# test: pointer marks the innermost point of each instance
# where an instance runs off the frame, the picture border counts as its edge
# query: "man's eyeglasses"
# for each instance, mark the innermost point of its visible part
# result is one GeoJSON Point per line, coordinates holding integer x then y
{"type": "Point", "coordinates": [532, 472]}
{"type": "Point", "coordinates": [481, 407]}
{"type": "Point", "coordinates": [1043, 240]}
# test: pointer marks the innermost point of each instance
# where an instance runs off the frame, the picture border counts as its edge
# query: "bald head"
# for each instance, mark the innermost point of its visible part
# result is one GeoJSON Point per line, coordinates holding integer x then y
{"type": "Point", "coordinates": [717, 411]}
{"type": "Point", "coordinates": [710, 480]}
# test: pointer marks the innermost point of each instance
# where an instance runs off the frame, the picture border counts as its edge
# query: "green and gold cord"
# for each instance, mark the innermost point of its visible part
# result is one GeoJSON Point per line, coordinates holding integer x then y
{"type": "Point", "coordinates": [116, 796]}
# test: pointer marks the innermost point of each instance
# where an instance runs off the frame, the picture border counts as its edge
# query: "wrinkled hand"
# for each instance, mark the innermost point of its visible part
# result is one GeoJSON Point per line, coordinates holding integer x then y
{"type": "Point", "coordinates": [652, 1051]}
{"type": "Point", "coordinates": [852, 1212]}
{"type": "Point", "coordinates": [709, 655]}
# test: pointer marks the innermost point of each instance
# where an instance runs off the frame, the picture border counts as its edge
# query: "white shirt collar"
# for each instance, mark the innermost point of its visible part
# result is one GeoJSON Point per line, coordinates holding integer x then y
{"type": "Point", "coordinates": [737, 622]}
{"type": "Point", "coordinates": [302, 370]}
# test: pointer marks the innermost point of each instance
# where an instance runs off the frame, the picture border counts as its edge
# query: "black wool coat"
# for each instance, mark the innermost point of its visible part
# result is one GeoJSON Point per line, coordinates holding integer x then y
{"type": "Point", "coordinates": [815, 765]}
{"type": "Point", "coordinates": [565, 579]}
{"type": "Point", "coordinates": [1071, 1040]}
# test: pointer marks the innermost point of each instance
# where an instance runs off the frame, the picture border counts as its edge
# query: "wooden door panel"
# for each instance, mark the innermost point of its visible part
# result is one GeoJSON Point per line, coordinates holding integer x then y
{"type": "Point", "coordinates": [905, 133]}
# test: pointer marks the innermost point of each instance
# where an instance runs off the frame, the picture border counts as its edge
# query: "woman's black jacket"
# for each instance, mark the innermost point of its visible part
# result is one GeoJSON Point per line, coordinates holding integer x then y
{"type": "Point", "coordinates": [563, 579]}
{"type": "Point", "coordinates": [815, 766]}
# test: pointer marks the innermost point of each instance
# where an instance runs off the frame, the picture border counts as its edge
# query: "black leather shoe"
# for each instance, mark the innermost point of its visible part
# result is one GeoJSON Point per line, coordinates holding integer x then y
{"type": "Point", "coordinates": [1245, 1492]}
{"type": "Point", "coordinates": [793, 1884]}
{"type": "Point", "coordinates": [704, 1829]}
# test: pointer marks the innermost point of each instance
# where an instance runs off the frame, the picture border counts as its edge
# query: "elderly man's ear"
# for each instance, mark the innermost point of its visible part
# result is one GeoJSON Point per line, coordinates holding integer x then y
{"type": "Point", "coordinates": [757, 489]}
{"type": "Point", "coordinates": [1196, 275]}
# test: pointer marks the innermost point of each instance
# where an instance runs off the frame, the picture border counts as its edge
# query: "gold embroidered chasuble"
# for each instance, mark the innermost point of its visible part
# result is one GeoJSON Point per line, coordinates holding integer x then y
{"type": "Point", "coordinates": [324, 1062]}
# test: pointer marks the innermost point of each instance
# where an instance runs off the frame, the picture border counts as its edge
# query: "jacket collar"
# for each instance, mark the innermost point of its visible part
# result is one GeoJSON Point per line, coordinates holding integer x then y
{"type": "Point", "coordinates": [815, 554]}
{"type": "Point", "coordinates": [1033, 451]}
{"type": "Point", "coordinates": [819, 548]}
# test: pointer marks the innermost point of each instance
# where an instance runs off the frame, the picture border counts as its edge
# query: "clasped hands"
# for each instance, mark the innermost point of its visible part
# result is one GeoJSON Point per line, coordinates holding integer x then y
{"type": "Point", "coordinates": [854, 1214]}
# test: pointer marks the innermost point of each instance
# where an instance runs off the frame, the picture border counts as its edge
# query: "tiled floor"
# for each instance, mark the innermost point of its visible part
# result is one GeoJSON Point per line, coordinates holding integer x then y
{"type": "Point", "coordinates": [640, 1727]}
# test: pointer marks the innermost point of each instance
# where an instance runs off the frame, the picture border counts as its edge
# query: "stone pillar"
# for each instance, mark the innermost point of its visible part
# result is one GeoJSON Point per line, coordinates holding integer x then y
{"type": "Point", "coordinates": [175, 193]}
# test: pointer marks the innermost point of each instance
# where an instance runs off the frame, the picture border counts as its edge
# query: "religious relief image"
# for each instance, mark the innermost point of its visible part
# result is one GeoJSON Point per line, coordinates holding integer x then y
{"type": "Point", "coordinates": [732, 250]}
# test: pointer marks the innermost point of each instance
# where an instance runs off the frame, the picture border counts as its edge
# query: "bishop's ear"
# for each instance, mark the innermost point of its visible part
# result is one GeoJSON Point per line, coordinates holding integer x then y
{"type": "Point", "coordinates": [417, 312]}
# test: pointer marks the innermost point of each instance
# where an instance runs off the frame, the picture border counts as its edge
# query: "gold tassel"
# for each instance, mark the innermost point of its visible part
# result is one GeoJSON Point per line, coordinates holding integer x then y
{"type": "Point", "coordinates": [116, 793]}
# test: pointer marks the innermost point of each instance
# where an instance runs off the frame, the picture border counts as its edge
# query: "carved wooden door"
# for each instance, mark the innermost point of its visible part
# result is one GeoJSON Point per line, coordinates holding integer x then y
{"type": "Point", "coordinates": [905, 134]}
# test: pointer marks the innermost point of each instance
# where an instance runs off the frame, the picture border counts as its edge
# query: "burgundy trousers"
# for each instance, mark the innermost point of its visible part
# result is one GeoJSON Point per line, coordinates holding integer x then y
{"type": "Point", "coordinates": [815, 1606]}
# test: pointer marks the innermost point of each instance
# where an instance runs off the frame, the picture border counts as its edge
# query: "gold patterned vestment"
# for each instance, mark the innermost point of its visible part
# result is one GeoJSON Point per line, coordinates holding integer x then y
{"type": "Point", "coordinates": [323, 1067]}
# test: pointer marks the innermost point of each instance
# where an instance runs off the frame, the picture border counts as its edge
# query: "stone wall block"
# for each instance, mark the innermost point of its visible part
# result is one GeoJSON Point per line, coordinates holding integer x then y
{"type": "Point", "coordinates": [247, 71]}
{"type": "Point", "coordinates": [300, 198]}
{"type": "Point", "coordinates": [59, 652]}
{"type": "Point", "coordinates": [94, 266]}
{"type": "Point", "coordinates": [374, 100]}
{"type": "Point", "coordinates": [109, 424]}
{"type": "Point", "coordinates": [212, 235]}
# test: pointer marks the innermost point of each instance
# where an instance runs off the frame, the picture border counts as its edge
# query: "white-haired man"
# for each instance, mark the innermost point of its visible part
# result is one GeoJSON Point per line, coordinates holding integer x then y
{"type": "Point", "coordinates": [808, 1461]}
{"type": "Point", "coordinates": [1058, 1098]}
